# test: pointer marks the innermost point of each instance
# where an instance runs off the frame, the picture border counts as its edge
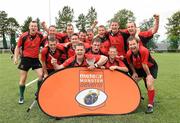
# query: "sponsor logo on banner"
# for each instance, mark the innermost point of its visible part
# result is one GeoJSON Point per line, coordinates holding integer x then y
{"type": "Point", "coordinates": [91, 93]}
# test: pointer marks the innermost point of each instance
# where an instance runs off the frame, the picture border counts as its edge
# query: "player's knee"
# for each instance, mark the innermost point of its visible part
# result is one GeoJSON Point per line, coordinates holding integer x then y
{"type": "Point", "coordinates": [150, 85]}
{"type": "Point", "coordinates": [22, 82]}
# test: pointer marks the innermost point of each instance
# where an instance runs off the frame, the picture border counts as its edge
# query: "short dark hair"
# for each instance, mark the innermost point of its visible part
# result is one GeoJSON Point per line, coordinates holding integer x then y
{"type": "Point", "coordinates": [33, 22]}
{"type": "Point", "coordinates": [101, 26]}
{"type": "Point", "coordinates": [96, 40]}
{"type": "Point", "coordinates": [132, 22]}
{"type": "Point", "coordinates": [83, 31]}
{"type": "Point", "coordinates": [52, 26]}
{"type": "Point", "coordinates": [74, 34]}
{"type": "Point", "coordinates": [69, 24]}
{"type": "Point", "coordinates": [89, 30]}
{"type": "Point", "coordinates": [114, 21]}
{"type": "Point", "coordinates": [131, 38]}
{"type": "Point", "coordinates": [112, 47]}
{"type": "Point", "coordinates": [80, 44]}
{"type": "Point", "coordinates": [51, 37]}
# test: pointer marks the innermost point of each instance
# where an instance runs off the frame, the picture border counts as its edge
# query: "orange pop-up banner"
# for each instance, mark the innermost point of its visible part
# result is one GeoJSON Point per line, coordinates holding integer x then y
{"type": "Point", "coordinates": [79, 91]}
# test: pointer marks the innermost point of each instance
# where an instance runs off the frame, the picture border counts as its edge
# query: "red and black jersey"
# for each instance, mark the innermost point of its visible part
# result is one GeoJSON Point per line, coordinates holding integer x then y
{"type": "Point", "coordinates": [116, 62]}
{"type": "Point", "coordinates": [45, 41]}
{"type": "Point", "coordinates": [62, 37]}
{"type": "Point", "coordinates": [71, 62]}
{"type": "Point", "coordinates": [46, 55]}
{"type": "Point", "coordinates": [88, 41]}
{"type": "Point", "coordinates": [105, 44]}
{"type": "Point", "coordinates": [117, 40]}
{"type": "Point", "coordinates": [30, 44]}
{"type": "Point", "coordinates": [70, 51]}
{"type": "Point", "coordinates": [145, 37]}
{"type": "Point", "coordinates": [87, 45]}
{"type": "Point", "coordinates": [142, 57]}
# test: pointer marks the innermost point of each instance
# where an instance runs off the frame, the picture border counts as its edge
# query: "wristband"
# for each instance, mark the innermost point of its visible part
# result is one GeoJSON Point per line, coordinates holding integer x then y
{"type": "Point", "coordinates": [96, 65]}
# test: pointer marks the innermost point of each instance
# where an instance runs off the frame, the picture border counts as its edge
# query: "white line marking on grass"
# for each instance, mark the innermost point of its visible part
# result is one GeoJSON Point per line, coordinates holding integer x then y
{"type": "Point", "coordinates": [31, 82]}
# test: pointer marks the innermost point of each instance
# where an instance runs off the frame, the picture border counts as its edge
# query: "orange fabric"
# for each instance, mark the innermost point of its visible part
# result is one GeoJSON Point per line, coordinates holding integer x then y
{"type": "Point", "coordinates": [58, 93]}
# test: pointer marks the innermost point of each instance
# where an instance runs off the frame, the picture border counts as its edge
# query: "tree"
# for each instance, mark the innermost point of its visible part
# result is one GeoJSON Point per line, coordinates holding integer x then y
{"type": "Point", "coordinates": [13, 26]}
{"type": "Point", "coordinates": [25, 26]}
{"type": "Point", "coordinates": [91, 17]}
{"type": "Point", "coordinates": [3, 27]}
{"type": "Point", "coordinates": [81, 22]}
{"type": "Point", "coordinates": [64, 17]}
{"type": "Point", "coordinates": [8, 26]}
{"type": "Point", "coordinates": [38, 24]}
{"type": "Point", "coordinates": [122, 17]}
{"type": "Point", "coordinates": [173, 30]}
{"type": "Point", "coordinates": [146, 25]}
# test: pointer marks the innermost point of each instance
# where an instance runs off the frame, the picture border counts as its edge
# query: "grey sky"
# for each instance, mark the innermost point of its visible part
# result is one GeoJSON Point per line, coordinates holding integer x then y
{"type": "Point", "coordinates": [142, 9]}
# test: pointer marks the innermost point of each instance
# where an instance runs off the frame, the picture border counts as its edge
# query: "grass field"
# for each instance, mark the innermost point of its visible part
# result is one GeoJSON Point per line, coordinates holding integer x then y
{"type": "Point", "coordinates": [167, 106]}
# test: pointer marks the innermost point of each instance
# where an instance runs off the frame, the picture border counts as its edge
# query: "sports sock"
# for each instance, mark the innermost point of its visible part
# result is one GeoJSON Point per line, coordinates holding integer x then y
{"type": "Point", "coordinates": [21, 90]}
{"type": "Point", "coordinates": [151, 94]}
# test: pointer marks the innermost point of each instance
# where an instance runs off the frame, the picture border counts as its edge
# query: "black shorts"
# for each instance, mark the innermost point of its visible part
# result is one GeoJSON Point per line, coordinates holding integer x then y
{"type": "Point", "coordinates": [153, 70]}
{"type": "Point", "coordinates": [27, 63]}
{"type": "Point", "coordinates": [50, 71]}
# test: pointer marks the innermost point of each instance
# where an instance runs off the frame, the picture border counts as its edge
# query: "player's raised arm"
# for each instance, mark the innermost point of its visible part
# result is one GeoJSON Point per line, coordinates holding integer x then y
{"type": "Point", "coordinates": [156, 24]}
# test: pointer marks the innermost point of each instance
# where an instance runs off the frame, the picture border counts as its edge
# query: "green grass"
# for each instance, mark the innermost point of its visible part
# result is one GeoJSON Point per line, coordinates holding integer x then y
{"type": "Point", "coordinates": [167, 108]}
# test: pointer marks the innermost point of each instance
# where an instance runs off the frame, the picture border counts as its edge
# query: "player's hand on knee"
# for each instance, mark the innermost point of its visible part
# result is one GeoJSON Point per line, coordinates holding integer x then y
{"type": "Point", "coordinates": [135, 76]}
{"type": "Point", "coordinates": [149, 78]}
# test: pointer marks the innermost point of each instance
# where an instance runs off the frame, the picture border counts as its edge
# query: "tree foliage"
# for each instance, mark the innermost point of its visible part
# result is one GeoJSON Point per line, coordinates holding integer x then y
{"type": "Point", "coordinates": [3, 22]}
{"type": "Point", "coordinates": [86, 21]}
{"type": "Point", "coordinates": [25, 26]}
{"type": "Point", "coordinates": [122, 17]}
{"type": "Point", "coordinates": [3, 27]}
{"type": "Point", "coordinates": [64, 17]}
{"type": "Point", "coordinates": [13, 27]}
{"type": "Point", "coordinates": [8, 26]}
{"type": "Point", "coordinates": [173, 30]}
{"type": "Point", "coordinates": [81, 22]}
{"type": "Point", "coordinates": [39, 24]}
{"type": "Point", "coordinates": [91, 16]}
